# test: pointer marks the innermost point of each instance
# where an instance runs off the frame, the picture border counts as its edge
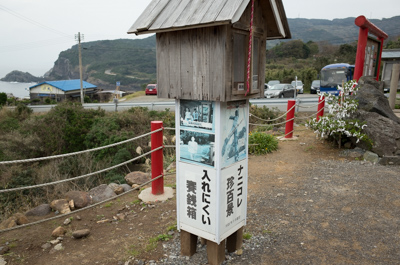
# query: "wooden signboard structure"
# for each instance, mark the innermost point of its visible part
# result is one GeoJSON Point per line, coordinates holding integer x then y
{"type": "Point", "coordinates": [211, 60]}
{"type": "Point", "coordinates": [369, 49]}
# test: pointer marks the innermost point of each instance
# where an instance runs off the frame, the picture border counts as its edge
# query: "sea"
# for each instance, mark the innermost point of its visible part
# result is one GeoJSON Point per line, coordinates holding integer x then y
{"type": "Point", "coordinates": [19, 90]}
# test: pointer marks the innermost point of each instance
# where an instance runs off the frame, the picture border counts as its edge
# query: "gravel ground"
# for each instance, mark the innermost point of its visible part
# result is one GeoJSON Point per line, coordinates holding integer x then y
{"type": "Point", "coordinates": [308, 205]}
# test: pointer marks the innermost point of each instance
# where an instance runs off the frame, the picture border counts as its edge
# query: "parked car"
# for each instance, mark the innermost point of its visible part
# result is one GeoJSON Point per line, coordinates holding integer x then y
{"type": "Point", "coordinates": [314, 89]}
{"type": "Point", "coordinates": [271, 83]}
{"type": "Point", "coordinates": [280, 91]}
{"type": "Point", "coordinates": [299, 86]}
{"type": "Point", "coordinates": [151, 89]}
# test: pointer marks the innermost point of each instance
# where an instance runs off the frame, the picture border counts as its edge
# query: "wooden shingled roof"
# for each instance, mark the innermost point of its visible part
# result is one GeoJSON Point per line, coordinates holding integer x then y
{"type": "Point", "coordinates": [173, 15]}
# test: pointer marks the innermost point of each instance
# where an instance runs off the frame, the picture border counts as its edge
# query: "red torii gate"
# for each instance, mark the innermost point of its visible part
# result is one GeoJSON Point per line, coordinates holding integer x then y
{"type": "Point", "coordinates": [367, 27]}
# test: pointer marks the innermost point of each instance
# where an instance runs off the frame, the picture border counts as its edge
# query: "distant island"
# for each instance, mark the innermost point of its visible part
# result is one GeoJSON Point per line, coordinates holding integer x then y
{"type": "Point", "coordinates": [21, 77]}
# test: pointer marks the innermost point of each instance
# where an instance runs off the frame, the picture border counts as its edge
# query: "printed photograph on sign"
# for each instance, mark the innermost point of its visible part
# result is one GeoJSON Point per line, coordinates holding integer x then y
{"type": "Point", "coordinates": [234, 132]}
{"type": "Point", "coordinates": [197, 147]}
{"type": "Point", "coordinates": [197, 114]}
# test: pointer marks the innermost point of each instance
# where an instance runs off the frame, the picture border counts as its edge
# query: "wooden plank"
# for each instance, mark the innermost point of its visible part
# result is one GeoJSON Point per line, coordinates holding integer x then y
{"type": "Point", "coordinates": [165, 15]}
{"type": "Point", "coordinates": [230, 9]}
{"type": "Point", "coordinates": [180, 10]}
{"type": "Point", "coordinates": [228, 65]}
{"type": "Point", "coordinates": [186, 64]}
{"type": "Point", "coordinates": [202, 9]}
{"type": "Point", "coordinates": [215, 9]}
{"type": "Point", "coordinates": [162, 65]}
{"type": "Point", "coordinates": [188, 243]}
{"type": "Point", "coordinates": [148, 16]}
{"type": "Point", "coordinates": [217, 63]}
{"type": "Point", "coordinates": [174, 64]}
{"type": "Point", "coordinates": [190, 9]}
{"type": "Point", "coordinates": [215, 252]}
{"type": "Point", "coordinates": [200, 64]}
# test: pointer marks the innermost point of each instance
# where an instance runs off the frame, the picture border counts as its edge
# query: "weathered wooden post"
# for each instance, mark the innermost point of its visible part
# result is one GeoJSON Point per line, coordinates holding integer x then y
{"type": "Point", "coordinates": [211, 59]}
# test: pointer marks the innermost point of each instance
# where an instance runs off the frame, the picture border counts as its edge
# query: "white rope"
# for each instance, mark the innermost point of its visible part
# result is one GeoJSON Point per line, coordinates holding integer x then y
{"type": "Point", "coordinates": [79, 177]}
{"type": "Point", "coordinates": [82, 209]}
{"type": "Point", "coordinates": [275, 118]}
{"type": "Point", "coordinates": [272, 124]}
{"type": "Point", "coordinates": [77, 153]}
{"type": "Point", "coordinates": [303, 118]}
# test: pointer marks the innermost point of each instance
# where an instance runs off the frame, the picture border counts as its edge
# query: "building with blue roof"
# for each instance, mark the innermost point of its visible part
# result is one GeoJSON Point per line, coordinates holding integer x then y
{"type": "Point", "coordinates": [61, 90]}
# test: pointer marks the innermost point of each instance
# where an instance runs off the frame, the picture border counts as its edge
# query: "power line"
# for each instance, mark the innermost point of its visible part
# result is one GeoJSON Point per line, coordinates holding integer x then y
{"type": "Point", "coordinates": [33, 22]}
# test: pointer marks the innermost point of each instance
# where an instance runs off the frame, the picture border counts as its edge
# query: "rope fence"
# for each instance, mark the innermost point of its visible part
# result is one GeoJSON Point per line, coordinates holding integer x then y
{"type": "Point", "coordinates": [134, 159]}
{"type": "Point", "coordinates": [79, 152]}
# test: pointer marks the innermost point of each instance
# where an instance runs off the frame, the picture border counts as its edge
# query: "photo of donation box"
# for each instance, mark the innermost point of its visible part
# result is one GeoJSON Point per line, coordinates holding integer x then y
{"type": "Point", "coordinates": [211, 60]}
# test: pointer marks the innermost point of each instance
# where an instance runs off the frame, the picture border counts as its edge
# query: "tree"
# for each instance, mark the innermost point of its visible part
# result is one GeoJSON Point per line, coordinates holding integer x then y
{"type": "Point", "coordinates": [3, 98]}
{"type": "Point", "coordinates": [393, 44]}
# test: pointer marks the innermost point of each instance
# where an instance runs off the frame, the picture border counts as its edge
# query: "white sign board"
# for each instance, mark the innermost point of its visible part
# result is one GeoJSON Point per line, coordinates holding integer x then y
{"type": "Point", "coordinates": [212, 167]}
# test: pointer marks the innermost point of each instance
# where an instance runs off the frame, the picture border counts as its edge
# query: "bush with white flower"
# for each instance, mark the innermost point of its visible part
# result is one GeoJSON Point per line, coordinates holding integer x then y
{"type": "Point", "coordinates": [337, 124]}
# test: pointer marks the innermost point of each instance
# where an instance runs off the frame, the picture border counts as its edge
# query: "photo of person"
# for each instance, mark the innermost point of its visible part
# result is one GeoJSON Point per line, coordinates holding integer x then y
{"type": "Point", "coordinates": [197, 147]}
{"type": "Point", "coordinates": [234, 132]}
{"type": "Point", "coordinates": [197, 114]}
{"type": "Point", "coordinates": [192, 147]}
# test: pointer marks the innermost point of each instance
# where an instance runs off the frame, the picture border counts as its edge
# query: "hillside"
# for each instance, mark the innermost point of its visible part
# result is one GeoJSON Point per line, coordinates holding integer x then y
{"type": "Point", "coordinates": [133, 62]}
{"type": "Point", "coordinates": [18, 76]}
{"type": "Point", "coordinates": [337, 31]}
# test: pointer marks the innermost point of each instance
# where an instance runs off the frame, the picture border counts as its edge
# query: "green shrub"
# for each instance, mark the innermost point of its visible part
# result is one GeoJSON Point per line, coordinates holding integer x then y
{"type": "Point", "coordinates": [262, 143]}
{"type": "Point", "coordinates": [3, 98]}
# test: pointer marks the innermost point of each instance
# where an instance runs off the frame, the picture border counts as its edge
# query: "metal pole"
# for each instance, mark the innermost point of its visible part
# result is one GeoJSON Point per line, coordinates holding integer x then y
{"type": "Point", "coordinates": [157, 186]}
{"type": "Point", "coordinates": [80, 65]}
{"type": "Point", "coordinates": [290, 119]}
{"type": "Point", "coordinates": [394, 82]}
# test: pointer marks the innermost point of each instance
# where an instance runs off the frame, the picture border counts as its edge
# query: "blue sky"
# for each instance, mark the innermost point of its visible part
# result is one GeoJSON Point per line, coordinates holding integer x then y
{"type": "Point", "coordinates": [33, 33]}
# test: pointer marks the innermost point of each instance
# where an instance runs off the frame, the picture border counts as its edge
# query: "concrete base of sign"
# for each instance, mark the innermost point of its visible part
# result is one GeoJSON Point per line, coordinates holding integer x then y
{"type": "Point", "coordinates": [147, 196]}
{"type": "Point", "coordinates": [282, 138]}
{"type": "Point", "coordinates": [215, 252]}
{"type": "Point", "coordinates": [235, 241]}
{"type": "Point", "coordinates": [188, 243]}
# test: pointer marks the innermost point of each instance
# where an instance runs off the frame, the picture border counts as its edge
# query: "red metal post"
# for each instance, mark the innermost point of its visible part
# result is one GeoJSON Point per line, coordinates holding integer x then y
{"type": "Point", "coordinates": [321, 107]}
{"type": "Point", "coordinates": [157, 169]}
{"type": "Point", "coordinates": [380, 58]}
{"type": "Point", "coordinates": [290, 118]}
{"type": "Point", "coordinates": [360, 56]}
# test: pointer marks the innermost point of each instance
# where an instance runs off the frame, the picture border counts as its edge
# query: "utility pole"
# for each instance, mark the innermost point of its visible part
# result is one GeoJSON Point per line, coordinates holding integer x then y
{"type": "Point", "coordinates": [79, 38]}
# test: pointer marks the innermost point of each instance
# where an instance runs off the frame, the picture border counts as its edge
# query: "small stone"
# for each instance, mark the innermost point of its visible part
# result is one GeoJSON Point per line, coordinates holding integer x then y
{"type": "Point", "coordinates": [58, 247]}
{"type": "Point", "coordinates": [81, 233]}
{"type": "Point", "coordinates": [67, 221]}
{"type": "Point", "coordinates": [46, 245]}
{"type": "Point", "coordinates": [59, 231]}
{"type": "Point", "coordinates": [54, 242]}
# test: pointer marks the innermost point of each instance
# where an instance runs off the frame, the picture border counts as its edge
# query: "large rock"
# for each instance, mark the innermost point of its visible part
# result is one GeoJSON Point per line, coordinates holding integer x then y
{"type": "Point", "coordinates": [16, 219]}
{"type": "Point", "coordinates": [41, 210]}
{"type": "Point", "coordinates": [371, 99]}
{"type": "Point", "coordinates": [384, 133]}
{"type": "Point", "coordinates": [62, 206]}
{"type": "Point", "coordinates": [81, 199]}
{"type": "Point", "coordinates": [137, 177]}
{"type": "Point", "coordinates": [101, 193]}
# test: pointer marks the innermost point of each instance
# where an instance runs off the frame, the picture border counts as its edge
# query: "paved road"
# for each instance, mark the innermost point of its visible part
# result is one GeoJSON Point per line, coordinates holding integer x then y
{"type": "Point", "coordinates": [154, 103]}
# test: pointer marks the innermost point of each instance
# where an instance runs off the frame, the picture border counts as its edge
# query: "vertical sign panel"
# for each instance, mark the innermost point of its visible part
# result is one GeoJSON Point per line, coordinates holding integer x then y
{"type": "Point", "coordinates": [197, 197]}
{"type": "Point", "coordinates": [234, 130]}
{"type": "Point", "coordinates": [233, 192]}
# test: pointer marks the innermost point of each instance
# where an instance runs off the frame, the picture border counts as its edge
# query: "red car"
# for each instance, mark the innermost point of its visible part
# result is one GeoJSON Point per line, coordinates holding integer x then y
{"type": "Point", "coordinates": [151, 89]}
